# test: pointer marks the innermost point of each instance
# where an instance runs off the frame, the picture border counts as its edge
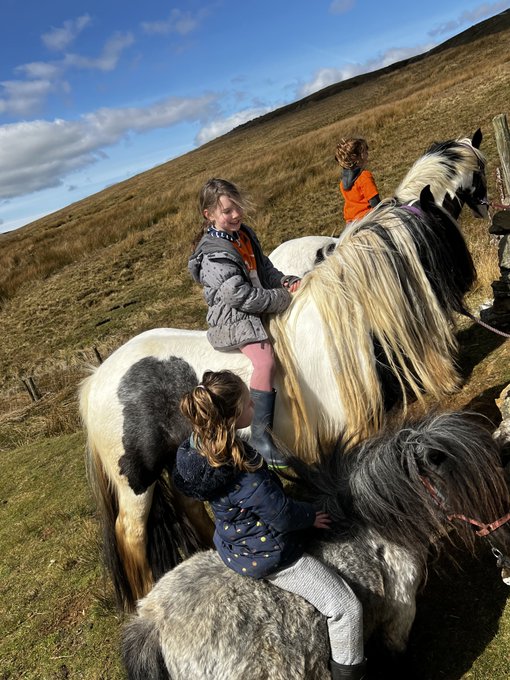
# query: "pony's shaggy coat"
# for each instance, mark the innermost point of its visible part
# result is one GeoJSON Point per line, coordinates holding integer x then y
{"type": "Point", "coordinates": [385, 265]}
{"type": "Point", "coordinates": [371, 323]}
{"type": "Point", "coordinates": [204, 621]}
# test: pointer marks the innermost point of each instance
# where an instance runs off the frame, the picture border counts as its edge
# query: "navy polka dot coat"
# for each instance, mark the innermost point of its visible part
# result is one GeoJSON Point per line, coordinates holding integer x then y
{"type": "Point", "coordinates": [258, 527]}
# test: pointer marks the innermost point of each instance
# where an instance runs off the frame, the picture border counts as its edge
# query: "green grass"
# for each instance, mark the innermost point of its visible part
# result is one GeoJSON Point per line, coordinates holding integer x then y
{"type": "Point", "coordinates": [57, 618]}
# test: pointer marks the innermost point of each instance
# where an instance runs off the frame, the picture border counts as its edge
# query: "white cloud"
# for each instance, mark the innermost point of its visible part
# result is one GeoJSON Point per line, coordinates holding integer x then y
{"type": "Point", "coordinates": [39, 70]}
{"type": "Point", "coordinates": [328, 76]}
{"type": "Point", "coordinates": [23, 97]}
{"type": "Point", "coordinates": [341, 6]}
{"type": "Point", "coordinates": [177, 22]}
{"type": "Point", "coordinates": [109, 57]}
{"type": "Point", "coordinates": [26, 97]}
{"type": "Point", "coordinates": [468, 18]}
{"type": "Point", "coordinates": [221, 126]}
{"type": "Point", "coordinates": [60, 38]}
{"type": "Point", "coordinates": [39, 154]}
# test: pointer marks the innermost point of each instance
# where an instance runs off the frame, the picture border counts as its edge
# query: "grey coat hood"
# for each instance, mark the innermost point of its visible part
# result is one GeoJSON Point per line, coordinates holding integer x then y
{"type": "Point", "coordinates": [235, 305]}
{"type": "Point", "coordinates": [349, 176]}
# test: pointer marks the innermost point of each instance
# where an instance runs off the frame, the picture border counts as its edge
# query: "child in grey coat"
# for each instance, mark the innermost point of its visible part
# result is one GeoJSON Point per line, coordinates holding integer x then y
{"type": "Point", "coordinates": [240, 285]}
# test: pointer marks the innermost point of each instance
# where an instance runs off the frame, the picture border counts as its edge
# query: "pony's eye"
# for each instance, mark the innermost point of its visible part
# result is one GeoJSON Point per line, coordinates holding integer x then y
{"type": "Point", "coordinates": [436, 458]}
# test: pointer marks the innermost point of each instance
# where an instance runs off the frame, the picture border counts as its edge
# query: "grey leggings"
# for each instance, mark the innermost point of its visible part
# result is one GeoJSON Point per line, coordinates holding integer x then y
{"type": "Point", "coordinates": [330, 594]}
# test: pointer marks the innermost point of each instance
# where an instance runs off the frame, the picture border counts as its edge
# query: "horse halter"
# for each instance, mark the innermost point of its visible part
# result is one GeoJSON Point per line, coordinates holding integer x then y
{"type": "Point", "coordinates": [484, 528]}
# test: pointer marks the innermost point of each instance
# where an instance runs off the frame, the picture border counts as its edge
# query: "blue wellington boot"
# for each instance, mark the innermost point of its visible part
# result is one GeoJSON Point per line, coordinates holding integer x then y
{"type": "Point", "coordinates": [260, 439]}
{"type": "Point", "coordinates": [355, 672]}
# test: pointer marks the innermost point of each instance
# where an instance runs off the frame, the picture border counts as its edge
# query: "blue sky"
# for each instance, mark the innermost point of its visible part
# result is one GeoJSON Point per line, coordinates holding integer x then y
{"type": "Point", "coordinates": [92, 93]}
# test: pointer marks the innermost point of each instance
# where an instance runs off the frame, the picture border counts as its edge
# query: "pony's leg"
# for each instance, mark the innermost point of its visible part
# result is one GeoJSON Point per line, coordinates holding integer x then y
{"type": "Point", "coordinates": [197, 515]}
{"type": "Point", "coordinates": [131, 538]}
{"type": "Point", "coordinates": [395, 633]}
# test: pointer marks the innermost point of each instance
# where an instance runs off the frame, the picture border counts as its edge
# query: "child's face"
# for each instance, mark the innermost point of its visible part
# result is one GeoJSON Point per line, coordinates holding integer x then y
{"type": "Point", "coordinates": [226, 216]}
{"type": "Point", "coordinates": [247, 413]}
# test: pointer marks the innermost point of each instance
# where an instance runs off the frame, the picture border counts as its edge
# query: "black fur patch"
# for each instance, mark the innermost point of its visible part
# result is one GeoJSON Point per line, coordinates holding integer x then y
{"type": "Point", "coordinates": [153, 428]}
{"type": "Point", "coordinates": [449, 153]}
{"type": "Point", "coordinates": [322, 253]}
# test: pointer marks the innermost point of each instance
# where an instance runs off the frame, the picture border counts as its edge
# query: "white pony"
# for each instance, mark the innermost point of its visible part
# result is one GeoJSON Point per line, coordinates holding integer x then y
{"type": "Point", "coordinates": [299, 256]}
{"type": "Point", "coordinates": [370, 323]}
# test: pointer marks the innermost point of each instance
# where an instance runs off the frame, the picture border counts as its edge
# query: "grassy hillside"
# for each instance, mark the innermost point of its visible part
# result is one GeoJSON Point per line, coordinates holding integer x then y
{"type": "Point", "coordinates": [112, 265]}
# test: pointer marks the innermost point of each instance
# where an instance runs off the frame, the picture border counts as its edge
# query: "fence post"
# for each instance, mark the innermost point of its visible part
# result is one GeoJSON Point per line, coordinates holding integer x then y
{"type": "Point", "coordinates": [35, 389]}
{"type": "Point", "coordinates": [499, 313]}
{"type": "Point", "coordinates": [502, 134]}
{"type": "Point", "coordinates": [98, 356]}
{"type": "Point", "coordinates": [31, 388]}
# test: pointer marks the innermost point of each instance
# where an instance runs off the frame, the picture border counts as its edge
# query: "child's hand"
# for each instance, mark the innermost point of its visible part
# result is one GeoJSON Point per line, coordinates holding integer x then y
{"type": "Point", "coordinates": [322, 520]}
{"type": "Point", "coordinates": [291, 282]}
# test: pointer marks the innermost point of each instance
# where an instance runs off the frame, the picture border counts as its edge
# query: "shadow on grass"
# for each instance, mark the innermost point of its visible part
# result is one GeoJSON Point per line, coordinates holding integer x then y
{"type": "Point", "coordinates": [485, 403]}
{"type": "Point", "coordinates": [476, 343]}
{"type": "Point", "coordinates": [457, 617]}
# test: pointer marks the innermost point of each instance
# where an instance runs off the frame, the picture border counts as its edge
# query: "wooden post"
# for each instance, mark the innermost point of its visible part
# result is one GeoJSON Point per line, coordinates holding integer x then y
{"type": "Point", "coordinates": [31, 388]}
{"type": "Point", "coordinates": [35, 389]}
{"type": "Point", "coordinates": [499, 313]}
{"type": "Point", "coordinates": [28, 389]}
{"type": "Point", "coordinates": [502, 135]}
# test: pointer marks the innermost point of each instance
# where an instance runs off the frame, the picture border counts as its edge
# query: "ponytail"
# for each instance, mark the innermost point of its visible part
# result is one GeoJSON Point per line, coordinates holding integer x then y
{"type": "Point", "coordinates": [213, 408]}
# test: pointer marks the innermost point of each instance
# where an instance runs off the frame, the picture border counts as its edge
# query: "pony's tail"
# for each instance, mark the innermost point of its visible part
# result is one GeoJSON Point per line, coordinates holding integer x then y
{"type": "Point", "coordinates": [171, 536]}
{"type": "Point", "coordinates": [107, 506]}
{"type": "Point", "coordinates": [141, 650]}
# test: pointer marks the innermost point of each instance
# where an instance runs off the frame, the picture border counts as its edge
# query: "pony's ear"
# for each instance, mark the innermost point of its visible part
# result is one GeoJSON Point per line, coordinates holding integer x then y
{"type": "Point", "coordinates": [477, 139]}
{"type": "Point", "coordinates": [427, 199]}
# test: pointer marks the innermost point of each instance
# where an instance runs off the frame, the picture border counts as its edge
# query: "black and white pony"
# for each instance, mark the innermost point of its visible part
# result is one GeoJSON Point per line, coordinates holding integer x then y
{"type": "Point", "coordinates": [394, 497]}
{"type": "Point", "coordinates": [369, 325]}
{"type": "Point", "coordinates": [438, 167]}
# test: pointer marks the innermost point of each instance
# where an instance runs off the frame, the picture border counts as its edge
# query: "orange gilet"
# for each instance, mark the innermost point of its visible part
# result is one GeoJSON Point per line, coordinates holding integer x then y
{"type": "Point", "coordinates": [358, 196]}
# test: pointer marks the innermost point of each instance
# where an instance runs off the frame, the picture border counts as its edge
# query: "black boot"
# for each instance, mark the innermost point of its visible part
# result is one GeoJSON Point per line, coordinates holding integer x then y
{"type": "Point", "coordinates": [342, 672]}
{"type": "Point", "coordinates": [260, 438]}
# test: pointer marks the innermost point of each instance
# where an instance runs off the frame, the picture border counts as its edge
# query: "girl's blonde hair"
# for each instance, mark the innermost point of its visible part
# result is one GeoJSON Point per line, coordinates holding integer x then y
{"type": "Point", "coordinates": [213, 408]}
{"type": "Point", "coordinates": [350, 152]}
{"type": "Point", "coordinates": [214, 188]}
{"type": "Point", "coordinates": [209, 198]}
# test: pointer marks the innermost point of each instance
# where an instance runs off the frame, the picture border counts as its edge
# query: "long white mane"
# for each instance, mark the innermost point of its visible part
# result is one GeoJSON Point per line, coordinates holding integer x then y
{"type": "Point", "coordinates": [357, 295]}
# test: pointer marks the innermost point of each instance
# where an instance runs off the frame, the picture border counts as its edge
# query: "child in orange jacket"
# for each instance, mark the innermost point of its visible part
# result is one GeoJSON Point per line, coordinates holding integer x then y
{"type": "Point", "coordinates": [357, 185]}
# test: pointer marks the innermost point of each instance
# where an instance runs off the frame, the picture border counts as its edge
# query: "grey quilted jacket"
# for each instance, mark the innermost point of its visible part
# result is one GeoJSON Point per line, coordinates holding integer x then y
{"type": "Point", "coordinates": [235, 305]}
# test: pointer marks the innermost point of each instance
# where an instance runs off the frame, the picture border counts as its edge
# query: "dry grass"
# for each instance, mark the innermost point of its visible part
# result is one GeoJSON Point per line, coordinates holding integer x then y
{"type": "Point", "coordinates": [114, 264]}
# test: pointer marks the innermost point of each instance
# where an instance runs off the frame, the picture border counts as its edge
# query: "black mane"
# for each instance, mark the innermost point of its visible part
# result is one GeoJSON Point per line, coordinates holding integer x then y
{"type": "Point", "coordinates": [379, 483]}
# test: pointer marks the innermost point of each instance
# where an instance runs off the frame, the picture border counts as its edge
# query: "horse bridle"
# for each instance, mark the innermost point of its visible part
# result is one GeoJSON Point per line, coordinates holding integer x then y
{"type": "Point", "coordinates": [464, 196]}
{"type": "Point", "coordinates": [484, 529]}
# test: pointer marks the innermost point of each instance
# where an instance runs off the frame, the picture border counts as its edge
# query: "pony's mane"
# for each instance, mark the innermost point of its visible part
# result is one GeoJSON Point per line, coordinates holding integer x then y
{"type": "Point", "coordinates": [445, 166]}
{"type": "Point", "coordinates": [373, 286]}
{"type": "Point", "coordinates": [380, 483]}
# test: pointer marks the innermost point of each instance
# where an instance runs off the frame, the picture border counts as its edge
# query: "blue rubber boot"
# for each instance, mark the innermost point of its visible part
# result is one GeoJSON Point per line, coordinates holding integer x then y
{"type": "Point", "coordinates": [260, 439]}
{"type": "Point", "coordinates": [355, 672]}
